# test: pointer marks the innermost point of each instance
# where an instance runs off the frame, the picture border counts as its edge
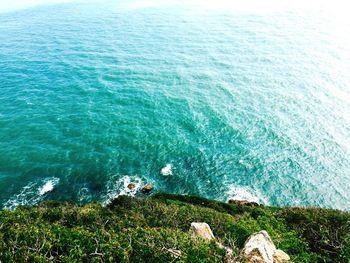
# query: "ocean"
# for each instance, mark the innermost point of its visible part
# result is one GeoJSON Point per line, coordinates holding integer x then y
{"type": "Point", "coordinates": [216, 100]}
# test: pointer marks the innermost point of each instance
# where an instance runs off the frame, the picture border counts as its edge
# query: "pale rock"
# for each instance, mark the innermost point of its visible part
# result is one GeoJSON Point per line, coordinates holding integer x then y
{"type": "Point", "coordinates": [259, 248]}
{"type": "Point", "coordinates": [201, 230]}
{"type": "Point", "coordinates": [280, 256]}
{"type": "Point", "coordinates": [229, 253]}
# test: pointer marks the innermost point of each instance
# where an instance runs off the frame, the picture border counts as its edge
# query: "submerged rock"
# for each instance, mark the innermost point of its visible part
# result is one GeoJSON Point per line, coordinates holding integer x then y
{"type": "Point", "coordinates": [201, 230]}
{"type": "Point", "coordinates": [259, 248]}
{"type": "Point", "coordinates": [147, 188]}
{"type": "Point", "coordinates": [243, 203]}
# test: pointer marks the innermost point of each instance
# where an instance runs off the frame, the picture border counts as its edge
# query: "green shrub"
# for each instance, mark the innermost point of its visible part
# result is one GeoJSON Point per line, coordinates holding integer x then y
{"type": "Point", "coordinates": [156, 229]}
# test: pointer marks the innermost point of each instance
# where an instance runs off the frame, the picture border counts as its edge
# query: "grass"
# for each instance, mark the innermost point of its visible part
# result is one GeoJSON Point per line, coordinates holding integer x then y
{"type": "Point", "coordinates": [155, 229]}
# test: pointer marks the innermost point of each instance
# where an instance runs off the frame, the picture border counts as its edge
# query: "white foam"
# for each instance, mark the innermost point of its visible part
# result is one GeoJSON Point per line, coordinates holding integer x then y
{"type": "Point", "coordinates": [246, 163]}
{"type": "Point", "coordinates": [22, 198]}
{"type": "Point", "coordinates": [32, 194]}
{"type": "Point", "coordinates": [242, 193]}
{"type": "Point", "coordinates": [120, 186]}
{"type": "Point", "coordinates": [167, 170]}
{"type": "Point", "coordinates": [48, 186]}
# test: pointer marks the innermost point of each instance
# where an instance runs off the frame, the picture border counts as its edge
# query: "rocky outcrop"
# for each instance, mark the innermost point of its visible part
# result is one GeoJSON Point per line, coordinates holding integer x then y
{"type": "Point", "coordinates": [201, 230]}
{"type": "Point", "coordinates": [243, 203]}
{"type": "Point", "coordinates": [147, 188]}
{"type": "Point", "coordinates": [259, 248]}
{"type": "Point", "coordinates": [280, 256]}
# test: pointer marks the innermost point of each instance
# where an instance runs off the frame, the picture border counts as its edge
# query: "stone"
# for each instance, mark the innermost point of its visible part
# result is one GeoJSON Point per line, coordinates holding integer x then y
{"type": "Point", "coordinates": [280, 257]}
{"type": "Point", "coordinates": [147, 188]}
{"type": "Point", "coordinates": [131, 186]}
{"type": "Point", "coordinates": [228, 253]}
{"type": "Point", "coordinates": [243, 203]}
{"type": "Point", "coordinates": [259, 248]}
{"type": "Point", "coordinates": [201, 230]}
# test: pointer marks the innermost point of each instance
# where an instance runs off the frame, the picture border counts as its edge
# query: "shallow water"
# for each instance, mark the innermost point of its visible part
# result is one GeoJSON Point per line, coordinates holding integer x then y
{"type": "Point", "coordinates": [247, 105]}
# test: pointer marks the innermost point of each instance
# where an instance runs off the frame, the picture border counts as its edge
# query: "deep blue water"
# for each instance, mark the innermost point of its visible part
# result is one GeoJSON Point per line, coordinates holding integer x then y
{"type": "Point", "coordinates": [239, 104]}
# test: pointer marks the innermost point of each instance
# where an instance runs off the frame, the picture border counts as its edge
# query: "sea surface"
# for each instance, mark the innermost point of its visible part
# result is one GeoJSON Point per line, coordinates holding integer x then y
{"type": "Point", "coordinates": [221, 101]}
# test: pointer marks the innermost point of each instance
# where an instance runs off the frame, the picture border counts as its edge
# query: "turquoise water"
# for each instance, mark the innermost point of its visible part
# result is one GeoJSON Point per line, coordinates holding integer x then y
{"type": "Point", "coordinates": [237, 104]}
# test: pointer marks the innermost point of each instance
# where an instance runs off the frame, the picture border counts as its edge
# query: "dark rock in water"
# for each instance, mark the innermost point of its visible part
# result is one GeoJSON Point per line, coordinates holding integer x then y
{"type": "Point", "coordinates": [147, 188]}
{"type": "Point", "coordinates": [243, 203]}
{"type": "Point", "coordinates": [131, 186]}
{"type": "Point", "coordinates": [96, 187]}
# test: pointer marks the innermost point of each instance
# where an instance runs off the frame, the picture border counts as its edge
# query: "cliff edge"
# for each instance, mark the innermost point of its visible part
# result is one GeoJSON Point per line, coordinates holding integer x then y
{"type": "Point", "coordinates": [161, 229]}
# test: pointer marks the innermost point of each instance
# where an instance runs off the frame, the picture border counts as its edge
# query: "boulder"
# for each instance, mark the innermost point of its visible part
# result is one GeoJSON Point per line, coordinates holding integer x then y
{"type": "Point", "coordinates": [280, 257]}
{"type": "Point", "coordinates": [201, 230]}
{"type": "Point", "coordinates": [259, 248]}
{"type": "Point", "coordinates": [243, 203]}
{"type": "Point", "coordinates": [131, 186]}
{"type": "Point", "coordinates": [147, 188]}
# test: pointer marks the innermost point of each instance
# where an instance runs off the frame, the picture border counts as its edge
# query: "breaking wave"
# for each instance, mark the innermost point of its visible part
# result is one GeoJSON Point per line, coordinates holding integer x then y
{"type": "Point", "coordinates": [32, 194]}
{"type": "Point", "coordinates": [121, 186]}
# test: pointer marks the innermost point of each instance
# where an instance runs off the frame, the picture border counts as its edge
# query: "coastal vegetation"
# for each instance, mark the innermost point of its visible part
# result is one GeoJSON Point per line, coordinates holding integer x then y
{"type": "Point", "coordinates": [156, 229]}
